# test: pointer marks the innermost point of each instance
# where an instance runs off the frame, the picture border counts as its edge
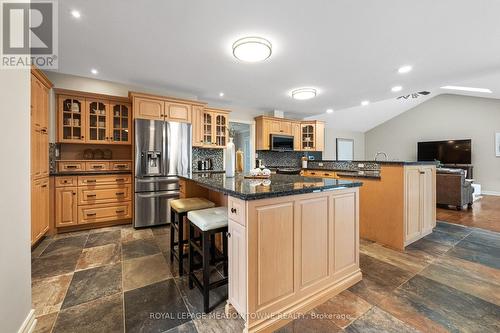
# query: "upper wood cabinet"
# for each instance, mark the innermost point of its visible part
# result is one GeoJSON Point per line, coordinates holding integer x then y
{"type": "Point", "coordinates": [214, 128]}
{"type": "Point", "coordinates": [40, 87]}
{"type": "Point", "coordinates": [308, 135]}
{"type": "Point", "coordinates": [148, 108]}
{"type": "Point", "coordinates": [197, 129]}
{"type": "Point", "coordinates": [92, 118]}
{"type": "Point", "coordinates": [154, 107]}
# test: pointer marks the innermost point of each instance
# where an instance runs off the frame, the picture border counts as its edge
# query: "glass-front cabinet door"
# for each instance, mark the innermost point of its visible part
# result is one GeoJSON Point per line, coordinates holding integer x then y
{"type": "Point", "coordinates": [308, 137]}
{"type": "Point", "coordinates": [220, 130]}
{"type": "Point", "coordinates": [71, 119]}
{"type": "Point", "coordinates": [97, 121]}
{"type": "Point", "coordinates": [120, 123]}
{"type": "Point", "coordinates": [207, 129]}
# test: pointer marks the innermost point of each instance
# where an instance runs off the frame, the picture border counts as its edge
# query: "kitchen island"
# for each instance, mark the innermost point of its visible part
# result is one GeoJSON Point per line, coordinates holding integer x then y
{"type": "Point", "coordinates": [293, 242]}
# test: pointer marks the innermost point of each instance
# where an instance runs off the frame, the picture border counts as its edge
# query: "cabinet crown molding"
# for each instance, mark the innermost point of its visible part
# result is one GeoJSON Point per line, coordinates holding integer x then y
{"type": "Point", "coordinates": [90, 95]}
{"type": "Point", "coordinates": [133, 94]}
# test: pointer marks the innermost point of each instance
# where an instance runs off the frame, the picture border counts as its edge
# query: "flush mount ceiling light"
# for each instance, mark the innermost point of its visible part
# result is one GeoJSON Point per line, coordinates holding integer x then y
{"type": "Point", "coordinates": [75, 14]}
{"type": "Point", "coordinates": [304, 93]}
{"type": "Point", "coordinates": [252, 49]}
{"type": "Point", "coordinates": [404, 69]}
{"type": "Point", "coordinates": [396, 88]}
{"type": "Point", "coordinates": [329, 111]}
{"type": "Point", "coordinates": [365, 103]}
{"type": "Point", "coordinates": [471, 89]}
{"type": "Point", "coordinates": [94, 71]}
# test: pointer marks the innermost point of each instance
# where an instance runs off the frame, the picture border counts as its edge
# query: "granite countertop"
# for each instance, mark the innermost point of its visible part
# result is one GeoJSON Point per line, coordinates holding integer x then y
{"type": "Point", "coordinates": [89, 173]}
{"type": "Point", "coordinates": [384, 162]}
{"type": "Point", "coordinates": [276, 186]}
{"type": "Point", "coordinates": [209, 171]}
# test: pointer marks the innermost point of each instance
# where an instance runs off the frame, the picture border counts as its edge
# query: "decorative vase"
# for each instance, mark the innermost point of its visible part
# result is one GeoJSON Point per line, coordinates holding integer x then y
{"type": "Point", "coordinates": [230, 158]}
{"type": "Point", "coordinates": [239, 160]}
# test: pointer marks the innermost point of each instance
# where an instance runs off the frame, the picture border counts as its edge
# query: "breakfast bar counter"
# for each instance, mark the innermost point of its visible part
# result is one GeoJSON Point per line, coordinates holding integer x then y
{"type": "Point", "coordinates": [293, 242]}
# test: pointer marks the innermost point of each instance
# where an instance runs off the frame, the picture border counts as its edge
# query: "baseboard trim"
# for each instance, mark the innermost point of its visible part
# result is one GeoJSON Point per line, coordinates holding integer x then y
{"type": "Point", "coordinates": [495, 193]}
{"type": "Point", "coordinates": [29, 323]}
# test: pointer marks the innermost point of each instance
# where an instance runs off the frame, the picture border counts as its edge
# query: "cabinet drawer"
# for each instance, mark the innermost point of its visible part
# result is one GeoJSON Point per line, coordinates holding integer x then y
{"type": "Point", "coordinates": [120, 165]}
{"type": "Point", "coordinates": [96, 166]}
{"type": "Point", "coordinates": [66, 181]}
{"type": "Point", "coordinates": [71, 166]}
{"type": "Point", "coordinates": [104, 212]}
{"type": "Point", "coordinates": [236, 210]}
{"type": "Point", "coordinates": [104, 194]}
{"type": "Point", "coordinates": [92, 181]}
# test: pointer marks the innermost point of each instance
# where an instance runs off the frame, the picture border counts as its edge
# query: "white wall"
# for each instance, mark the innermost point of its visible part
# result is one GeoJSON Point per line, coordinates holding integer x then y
{"type": "Point", "coordinates": [15, 270]}
{"type": "Point", "coordinates": [445, 117]}
{"type": "Point", "coordinates": [331, 134]}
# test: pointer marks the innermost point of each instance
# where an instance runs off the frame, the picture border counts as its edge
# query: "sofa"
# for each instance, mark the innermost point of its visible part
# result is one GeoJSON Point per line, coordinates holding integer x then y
{"type": "Point", "coordinates": [452, 188]}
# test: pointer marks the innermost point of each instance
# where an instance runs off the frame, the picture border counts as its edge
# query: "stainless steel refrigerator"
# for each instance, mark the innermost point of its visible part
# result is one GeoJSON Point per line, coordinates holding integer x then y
{"type": "Point", "coordinates": [162, 152]}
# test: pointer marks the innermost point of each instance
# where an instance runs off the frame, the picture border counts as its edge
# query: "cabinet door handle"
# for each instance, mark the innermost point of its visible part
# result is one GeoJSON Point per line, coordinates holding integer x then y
{"type": "Point", "coordinates": [120, 166]}
{"type": "Point", "coordinates": [91, 214]}
{"type": "Point", "coordinates": [91, 180]}
{"type": "Point", "coordinates": [228, 234]}
{"type": "Point", "coordinates": [74, 193]}
{"type": "Point", "coordinates": [120, 193]}
{"type": "Point", "coordinates": [233, 210]}
{"type": "Point", "coordinates": [422, 172]}
{"type": "Point", "coordinates": [120, 211]}
{"type": "Point", "coordinates": [97, 167]}
{"type": "Point", "coordinates": [91, 195]}
{"type": "Point", "coordinates": [119, 179]}
{"type": "Point", "coordinates": [71, 166]}
{"type": "Point", "coordinates": [44, 185]}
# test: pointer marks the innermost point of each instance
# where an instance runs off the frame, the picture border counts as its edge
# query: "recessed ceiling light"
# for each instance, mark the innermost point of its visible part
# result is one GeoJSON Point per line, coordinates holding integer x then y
{"type": "Point", "coordinates": [304, 93]}
{"type": "Point", "coordinates": [252, 49]}
{"type": "Point", "coordinates": [221, 94]}
{"type": "Point", "coordinates": [94, 71]}
{"type": "Point", "coordinates": [471, 89]}
{"type": "Point", "coordinates": [329, 111]}
{"type": "Point", "coordinates": [365, 103]}
{"type": "Point", "coordinates": [76, 14]}
{"type": "Point", "coordinates": [404, 69]}
{"type": "Point", "coordinates": [396, 88]}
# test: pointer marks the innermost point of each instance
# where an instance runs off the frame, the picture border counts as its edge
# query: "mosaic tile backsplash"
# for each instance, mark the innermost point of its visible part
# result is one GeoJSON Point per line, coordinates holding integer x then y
{"type": "Point", "coordinates": [284, 159]}
{"type": "Point", "coordinates": [52, 157]}
{"type": "Point", "coordinates": [217, 156]}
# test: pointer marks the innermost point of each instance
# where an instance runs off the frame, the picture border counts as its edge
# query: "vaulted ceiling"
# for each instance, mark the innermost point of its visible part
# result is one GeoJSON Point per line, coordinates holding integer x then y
{"type": "Point", "coordinates": [349, 50]}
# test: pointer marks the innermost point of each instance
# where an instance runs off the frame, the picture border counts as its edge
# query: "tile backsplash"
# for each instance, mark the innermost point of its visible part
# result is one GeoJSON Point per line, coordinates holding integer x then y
{"type": "Point", "coordinates": [217, 156]}
{"type": "Point", "coordinates": [284, 159]}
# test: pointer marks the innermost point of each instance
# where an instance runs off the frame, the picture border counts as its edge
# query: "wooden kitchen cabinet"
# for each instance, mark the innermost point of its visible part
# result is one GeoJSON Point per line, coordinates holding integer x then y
{"type": "Point", "coordinates": [66, 206]}
{"type": "Point", "coordinates": [93, 118]}
{"type": "Point", "coordinates": [307, 135]}
{"type": "Point", "coordinates": [120, 123]}
{"type": "Point", "coordinates": [419, 201]}
{"type": "Point", "coordinates": [39, 209]}
{"type": "Point", "coordinates": [148, 108]}
{"type": "Point", "coordinates": [215, 124]}
{"type": "Point", "coordinates": [91, 199]}
{"type": "Point", "coordinates": [39, 171]}
{"type": "Point", "coordinates": [237, 268]}
{"type": "Point", "coordinates": [197, 129]}
{"type": "Point", "coordinates": [178, 112]}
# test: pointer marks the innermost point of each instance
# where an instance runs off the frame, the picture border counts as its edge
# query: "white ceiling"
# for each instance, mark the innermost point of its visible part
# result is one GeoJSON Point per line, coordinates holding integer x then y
{"type": "Point", "coordinates": [350, 50]}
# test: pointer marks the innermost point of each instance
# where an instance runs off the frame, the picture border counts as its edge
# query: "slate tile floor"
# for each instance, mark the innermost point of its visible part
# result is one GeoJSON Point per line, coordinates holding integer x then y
{"type": "Point", "coordinates": [120, 280]}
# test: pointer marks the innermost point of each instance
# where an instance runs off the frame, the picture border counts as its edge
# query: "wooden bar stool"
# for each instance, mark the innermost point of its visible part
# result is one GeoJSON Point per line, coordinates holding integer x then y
{"type": "Point", "coordinates": [178, 210]}
{"type": "Point", "coordinates": [208, 222]}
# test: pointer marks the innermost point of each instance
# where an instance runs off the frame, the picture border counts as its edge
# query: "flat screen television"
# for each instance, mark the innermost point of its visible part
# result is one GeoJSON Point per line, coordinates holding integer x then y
{"type": "Point", "coordinates": [447, 152]}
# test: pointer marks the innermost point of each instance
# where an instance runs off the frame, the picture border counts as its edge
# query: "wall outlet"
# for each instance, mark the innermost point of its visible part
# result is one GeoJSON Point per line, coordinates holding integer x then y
{"type": "Point", "coordinates": [320, 164]}
{"type": "Point", "coordinates": [361, 165]}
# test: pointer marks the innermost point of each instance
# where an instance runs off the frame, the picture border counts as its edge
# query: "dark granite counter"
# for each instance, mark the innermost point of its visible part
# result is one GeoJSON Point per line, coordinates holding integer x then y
{"type": "Point", "coordinates": [382, 162]}
{"type": "Point", "coordinates": [276, 186]}
{"type": "Point", "coordinates": [209, 171]}
{"type": "Point", "coordinates": [89, 173]}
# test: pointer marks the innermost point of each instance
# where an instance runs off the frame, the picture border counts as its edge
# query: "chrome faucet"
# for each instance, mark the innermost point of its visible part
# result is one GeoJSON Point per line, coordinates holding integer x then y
{"type": "Point", "coordinates": [381, 153]}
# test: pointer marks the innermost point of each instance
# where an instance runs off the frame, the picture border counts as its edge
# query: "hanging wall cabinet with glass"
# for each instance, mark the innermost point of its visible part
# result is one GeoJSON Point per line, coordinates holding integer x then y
{"type": "Point", "coordinates": [214, 128]}
{"type": "Point", "coordinates": [83, 119]}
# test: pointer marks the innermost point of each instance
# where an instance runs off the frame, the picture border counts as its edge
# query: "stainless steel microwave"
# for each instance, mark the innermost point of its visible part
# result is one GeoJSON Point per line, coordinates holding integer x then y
{"type": "Point", "coordinates": [281, 142]}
